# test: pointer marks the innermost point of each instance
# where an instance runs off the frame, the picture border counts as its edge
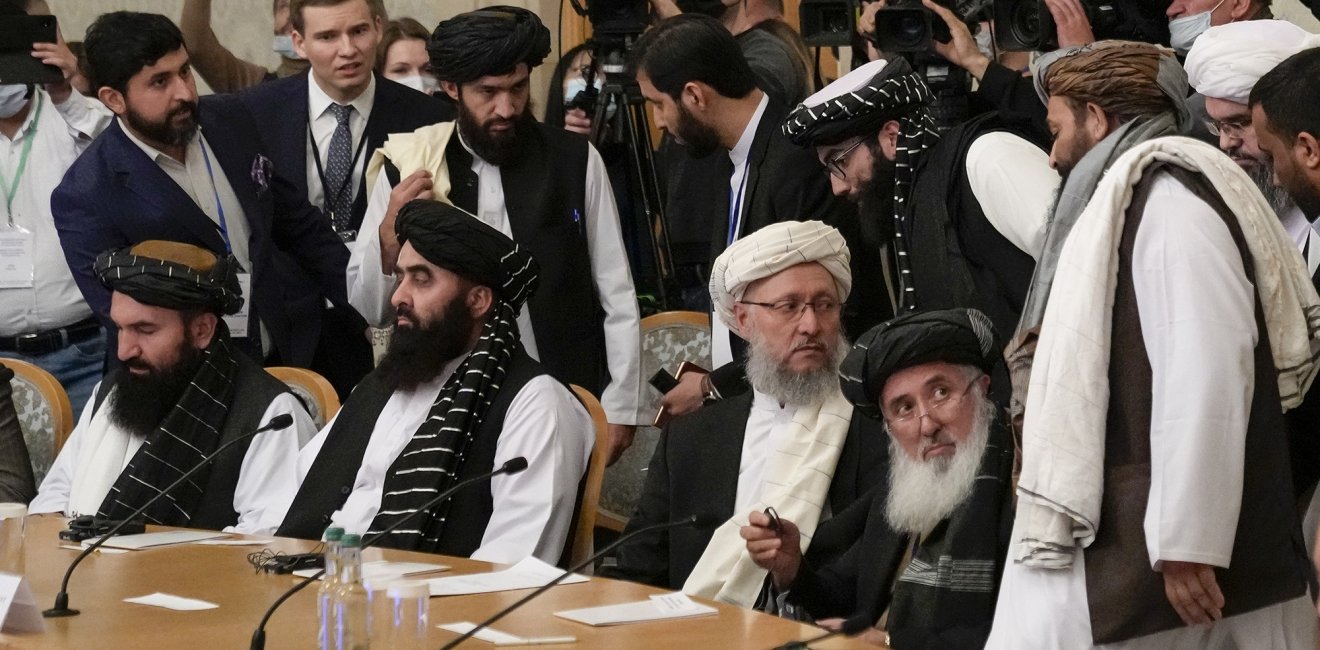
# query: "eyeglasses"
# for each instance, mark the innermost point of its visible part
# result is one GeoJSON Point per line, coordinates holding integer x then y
{"type": "Point", "coordinates": [941, 404]}
{"type": "Point", "coordinates": [835, 163]}
{"type": "Point", "coordinates": [1232, 128]}
{"type": "Point", "coordinates": [787, 310]}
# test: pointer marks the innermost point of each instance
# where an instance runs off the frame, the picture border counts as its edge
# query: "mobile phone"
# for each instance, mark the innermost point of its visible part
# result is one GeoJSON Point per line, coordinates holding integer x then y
{"type": "Point", "coordinates": [17, 36]}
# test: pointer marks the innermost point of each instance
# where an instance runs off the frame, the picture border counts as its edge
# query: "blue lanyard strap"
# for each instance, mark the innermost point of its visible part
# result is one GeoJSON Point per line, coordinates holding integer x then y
{"type": "Point", "coordinates": [220, 208]}
{"type": "Point", "coordinates": [735, 206]}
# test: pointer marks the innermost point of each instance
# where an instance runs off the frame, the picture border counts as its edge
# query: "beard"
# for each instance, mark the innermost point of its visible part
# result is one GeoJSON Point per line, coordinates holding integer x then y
{"type": "Point", "coordinates": [700, 139]}
{"type": "Point", "coordinates": [1278, 198]}
{"type": "Point", "coordinates": [165, 132]}
{"type": "Point", "coordinates": [141, 402]}
{"type": "Point", "coordinates": [924, 493]}
{"type": "Point", "coordinates": [418, 353]}
{"type": "Point", "coordinates": [495, 147]}
{"type": "Point", "coordinates": [770, 376]}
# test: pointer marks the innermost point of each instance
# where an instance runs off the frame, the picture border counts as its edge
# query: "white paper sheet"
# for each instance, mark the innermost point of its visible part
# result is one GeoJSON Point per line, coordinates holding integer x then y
{"type": "Point", "coordinates": [148, 540]}
{"type": "Point", "coordinates": [170, 601]}
{"type": "Point", "coordinates": [660, 607]}
{"type": "Point", "coordinates": [18, 608]}
{"type": "Point", "coordinates": [233, 542]}
{"type": "Point", "coordinates": [378, 570]}
{"type": "Point", "coordinates": [504, 638]}
{"type": "Point", "coordinates": [527, 574]}
{"type": "Point", "coordinates": [104, 549]}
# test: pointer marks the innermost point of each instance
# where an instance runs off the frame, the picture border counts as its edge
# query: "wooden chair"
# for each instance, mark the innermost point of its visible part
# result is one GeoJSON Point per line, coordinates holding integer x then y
{"type": "Point", "coordinates": [584, 527]}
{"type": "Point", "coordinates": [312, 390]}
{"type": "Point", "coordinates": [44, 413]}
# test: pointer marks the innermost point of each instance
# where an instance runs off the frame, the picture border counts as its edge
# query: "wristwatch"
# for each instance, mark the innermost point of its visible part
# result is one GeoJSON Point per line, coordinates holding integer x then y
{"type": "Point", "coordinates": [708, 391]}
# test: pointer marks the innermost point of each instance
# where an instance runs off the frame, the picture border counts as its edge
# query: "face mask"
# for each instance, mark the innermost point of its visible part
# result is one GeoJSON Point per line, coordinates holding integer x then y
{"type": "Point", "coordinates": [424, 83]}
{"type": "Point", "coordinates": [577, 84]}
{"type": "Point", "coordinates": [12, 100]}
{"type": "Point", "coordinates": [1183, 31]}
{"type": "Point", "coordinates": [283, 45]}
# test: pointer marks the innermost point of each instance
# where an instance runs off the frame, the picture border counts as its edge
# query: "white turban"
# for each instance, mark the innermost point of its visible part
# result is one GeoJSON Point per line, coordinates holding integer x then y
{"type": "Point", "coordinates": [770, 250]}
{"type": "Point", "coordinates": [1227, 61]}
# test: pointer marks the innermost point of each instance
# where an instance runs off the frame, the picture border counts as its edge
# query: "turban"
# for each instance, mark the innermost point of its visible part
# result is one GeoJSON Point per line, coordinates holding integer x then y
{"type": "Point", "coordinates": [958, 336]}
{"type": "Point", "coordinates": [455, 240]}
{"type": "Point", "coordinates": [172, 275]}
{"type": "Point", "coordinates": [1227, 61]}
{"type": "Point", "coordinates": [1122, 77]}
{"type": "Point", "coordinates": [488, 41]}
{"type": "Point", "coordinates": [858, 103]}
{"type": "Point", "coordinates": [770, 250]}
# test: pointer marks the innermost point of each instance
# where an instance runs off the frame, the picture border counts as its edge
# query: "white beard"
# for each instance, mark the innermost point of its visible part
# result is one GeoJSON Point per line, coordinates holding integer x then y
{"type": "Point", "coordinates": [767, 375]}
{"type": "Point", "coordinates": [924, 493]}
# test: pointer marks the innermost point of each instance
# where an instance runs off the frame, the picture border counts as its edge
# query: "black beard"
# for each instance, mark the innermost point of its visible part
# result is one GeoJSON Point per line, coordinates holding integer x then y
{"type": "Point", "coordinates": [165, 132]}
{"type": "Point", "coordinates": [141, 403]}
{"type": "Point", "coordinates": [417, 354]}
{"type": "Point", "coordinates": [495, 148]}
{"type": "Point", "coordinates": [876, 204]}
{"type": "Point", "coordinates": [700, 139]}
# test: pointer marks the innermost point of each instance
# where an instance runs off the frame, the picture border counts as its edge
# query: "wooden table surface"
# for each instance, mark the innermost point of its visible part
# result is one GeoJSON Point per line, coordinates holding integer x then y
{"type": "Point", "coordinates": [222, 575]}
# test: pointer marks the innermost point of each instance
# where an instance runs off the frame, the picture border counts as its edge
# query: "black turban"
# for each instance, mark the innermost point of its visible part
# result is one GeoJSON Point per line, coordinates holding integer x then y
{"type": "Point", "coordinates": [488, 41]}
{"type": "Point", "coordinates": [455, 240]}
{"type": "Point", "coordinates": [172, 275]}
{"type": "Point", "coordinates": [957, 336]}
{"type": "Point", "coordinates": [858, 103]}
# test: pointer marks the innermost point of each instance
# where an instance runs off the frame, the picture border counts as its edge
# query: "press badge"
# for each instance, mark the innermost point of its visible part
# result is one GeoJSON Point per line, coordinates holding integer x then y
{"type": "Point", "coordinates": [16, 257]}
{"type": "Point", "coordinates": [238, 323]}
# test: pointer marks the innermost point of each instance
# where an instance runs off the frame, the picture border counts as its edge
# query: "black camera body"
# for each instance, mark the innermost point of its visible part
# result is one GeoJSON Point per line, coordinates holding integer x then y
{"type": "Point", "coordinates": [1026, 25]}
{"type": "Point", "coordinates": [89, 526]}
{"type": "Point", "coordinates": [827, 23]}
{"type": "Point", "coordinates": [907, 26]}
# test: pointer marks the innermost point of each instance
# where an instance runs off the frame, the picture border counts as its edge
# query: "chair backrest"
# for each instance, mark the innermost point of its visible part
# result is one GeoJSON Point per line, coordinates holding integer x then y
{"type": "Point", "coordinates": [312, 390]}
{"type": "Point", "coordinates": [584, 527]}
{"type": "Point", "coordinates": [44, 414]}
{"type": "Point", "coordinates": [668, 339]}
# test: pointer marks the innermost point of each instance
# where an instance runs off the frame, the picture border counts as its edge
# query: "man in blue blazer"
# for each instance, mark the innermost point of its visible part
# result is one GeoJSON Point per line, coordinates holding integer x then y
{"type": "Point", "coordinates": [174, 168]}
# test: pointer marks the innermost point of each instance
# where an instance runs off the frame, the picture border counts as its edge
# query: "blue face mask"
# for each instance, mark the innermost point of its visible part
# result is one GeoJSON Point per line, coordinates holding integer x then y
{"type": "Point", "coordinates": [577, 84]}
{"type": "Point", "coordinates": [1183, 31]}
{"type": "Point", "coordinates": [283, 45]}
{"type": "Point", "coordinates": [13, 98]}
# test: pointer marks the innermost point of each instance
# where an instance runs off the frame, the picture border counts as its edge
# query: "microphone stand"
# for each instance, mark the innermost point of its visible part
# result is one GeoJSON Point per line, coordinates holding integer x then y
{"type": "Point", "coordinates": [61, 607]}
{"type": "Point", "coordinates": [850, 627]}
{"type": "Point", "coordinates": [513, 466]}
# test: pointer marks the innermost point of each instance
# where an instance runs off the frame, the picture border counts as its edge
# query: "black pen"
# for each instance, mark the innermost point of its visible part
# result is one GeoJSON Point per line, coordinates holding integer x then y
{"type": "Point", "coordinates": [775, 525]}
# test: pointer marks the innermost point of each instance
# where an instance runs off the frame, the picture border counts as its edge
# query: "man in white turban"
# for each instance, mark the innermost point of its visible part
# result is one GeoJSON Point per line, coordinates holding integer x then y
{"type": "Point", "coordinates": [791, 443]}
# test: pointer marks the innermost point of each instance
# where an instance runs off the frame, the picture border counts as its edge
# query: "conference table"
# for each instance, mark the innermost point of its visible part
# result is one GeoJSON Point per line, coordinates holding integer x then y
{"type": "Point", "coordinates": [224, 576]}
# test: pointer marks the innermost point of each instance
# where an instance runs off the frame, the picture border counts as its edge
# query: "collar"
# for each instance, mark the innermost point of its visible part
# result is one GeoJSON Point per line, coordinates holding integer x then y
{"type": "Point", "coordinates": [318, 102]}
{"type": "Point", "coordinates": [1298, 228]}
{"type": "Point", "coordinates": [738, 154]}
{"type": "Point", "coordinates": [763, 402]}
{"type": "Point", "coordinates": [156, 155]}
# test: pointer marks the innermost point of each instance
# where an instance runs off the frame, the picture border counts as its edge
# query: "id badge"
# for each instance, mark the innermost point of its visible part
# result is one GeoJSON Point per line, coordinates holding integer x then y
{"type": "Point", "coordinates": [16, 257]}
{"type": "Point", "coordinates": [238, 323]}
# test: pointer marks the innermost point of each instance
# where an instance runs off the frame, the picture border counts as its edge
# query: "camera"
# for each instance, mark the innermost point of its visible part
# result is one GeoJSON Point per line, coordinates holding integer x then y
{"type": "Point", "coordinates": [1026, 25]}
{"type": "Point", "coordinates": [827, 23]}
{"type": "Point", "coordinates": [907, 26]}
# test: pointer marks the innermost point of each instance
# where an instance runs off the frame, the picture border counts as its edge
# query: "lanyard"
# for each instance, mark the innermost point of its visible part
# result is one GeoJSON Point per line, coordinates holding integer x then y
{"type": "Point", "coordinates": [11, 187]}
{"type": "Point", "coordinates": [735, 206]}
{"type": "Point", "coordinates": [224, 231]}
{"type": "Point", "coordinates": [320, 171]}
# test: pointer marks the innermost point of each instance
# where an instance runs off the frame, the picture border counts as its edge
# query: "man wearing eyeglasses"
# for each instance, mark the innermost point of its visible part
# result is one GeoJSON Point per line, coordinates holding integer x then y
{"type": "Point", "coordinates": [948, 499]}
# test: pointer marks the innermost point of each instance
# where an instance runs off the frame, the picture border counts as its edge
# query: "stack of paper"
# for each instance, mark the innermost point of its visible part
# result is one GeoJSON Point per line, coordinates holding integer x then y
{"type": "Point", "coordinates": [660, 607]}
{"type": "Point", "coordinates": [504, 638]}
{"type": "Point", "coordinates": [527, 574]}
{"type": "Point", "coordinates": [148, 540]}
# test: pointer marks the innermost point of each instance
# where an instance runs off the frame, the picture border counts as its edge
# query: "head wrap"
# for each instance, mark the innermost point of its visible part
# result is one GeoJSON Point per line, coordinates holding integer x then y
{"type": "Point", "coordinates": [172, 275]}
{"type": "Point", "coordinates": [1122, 77]}
{"type": "Point", "coordinates": [958, 336]}
{"type": "Point", "coordinates": [770, 250]}
{"type": "Point", "coordinates": [452, 239]}
{"type": "Point", "coordinates": [1227, 61]}
{"type": "Point", "coordinates": [488, 41]}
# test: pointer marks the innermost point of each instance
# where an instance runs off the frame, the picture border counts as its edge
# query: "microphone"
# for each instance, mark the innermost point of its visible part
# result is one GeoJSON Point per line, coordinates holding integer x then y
{"type": "Point", "coordinates": [61, 608]}
{"type": "Point", "coordinates": [850, 627]}
{"type": "Point", "coordinates": [694, 520]}
{"type": "Point", "coordinates": [512, 466]}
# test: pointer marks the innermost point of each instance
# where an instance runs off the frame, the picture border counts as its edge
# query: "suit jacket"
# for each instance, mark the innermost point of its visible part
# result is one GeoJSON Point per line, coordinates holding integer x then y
{"type": "Point", "coordinates": [114, 195]}
{"type": "Point", "coordinates": [280, 109]}
{"type": "Point", "coordinates": [695, 472]}
{"type": "Point", "coordinates": [16, 482]}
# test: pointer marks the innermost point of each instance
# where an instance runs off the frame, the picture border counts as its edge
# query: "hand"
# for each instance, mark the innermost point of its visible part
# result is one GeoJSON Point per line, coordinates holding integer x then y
{"type": "Point", "coordinates": [866, 21]}
{"type": "Point", "coordinates": [577, 121]}
{"type": "Point", "coordinates": [1193, 591]}
{"type": "Point", "coordinates": [665, 9]}
{"type": "Point", "coordinates": [961, 49]}
{"type": "Point", "coordinates": [686, 397]}
{"type": "Point", "coordinates": [621, 438]}
{"type": "Point", "coordinates": [59, 55]}
{"type": "Point", "coordinates": [1073, 27]}
{"type": "Point", "coordinates": [780, 553]}
{"type": "Point", "coordinates": [872, 636]}
{"type": "Point", "coordinates": [416, 186]}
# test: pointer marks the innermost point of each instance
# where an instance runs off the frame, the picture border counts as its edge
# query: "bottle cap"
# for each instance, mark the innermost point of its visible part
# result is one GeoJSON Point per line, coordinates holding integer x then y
{"type": "Point", "coordinates": [351, 540]}
{"type": "Point", "coordinates": [409, 589]}
{"type": "Point", "coordinates": [333, 534]}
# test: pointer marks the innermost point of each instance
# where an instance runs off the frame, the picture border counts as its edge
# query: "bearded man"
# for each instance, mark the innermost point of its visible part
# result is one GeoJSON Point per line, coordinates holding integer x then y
{"type": "Point", "coordinates": [792, 443]}
{"type": "Point", "coordinates": [948, 500]}
{"type": "Point", "coordinates": [456, 396]}
{"type": "Point", "coordinates": [545, 189]}
{"type": "Point", "coordinates": [181, 392]}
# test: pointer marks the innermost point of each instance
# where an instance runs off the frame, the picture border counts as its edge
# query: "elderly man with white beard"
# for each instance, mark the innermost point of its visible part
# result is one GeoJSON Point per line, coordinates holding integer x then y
{"type": "Point", "coordinates": [947, 505]}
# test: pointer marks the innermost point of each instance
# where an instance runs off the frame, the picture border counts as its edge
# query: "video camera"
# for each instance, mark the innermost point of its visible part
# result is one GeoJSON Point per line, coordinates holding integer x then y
{"type": "Point", "coordinates": [907, 26]}
{"type": "Point", "coordinates": [1026, 25]}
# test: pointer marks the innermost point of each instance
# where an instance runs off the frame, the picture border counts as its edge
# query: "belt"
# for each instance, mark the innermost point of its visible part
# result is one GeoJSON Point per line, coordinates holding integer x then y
{"type": "Point", "coordinates": [39, 343]}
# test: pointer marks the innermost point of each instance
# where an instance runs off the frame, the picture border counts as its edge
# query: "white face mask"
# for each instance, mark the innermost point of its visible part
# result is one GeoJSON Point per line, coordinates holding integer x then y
{"type": "Point", "coordinates": [283, 45]}
{"type": "Point", "coordinates": [424, 83]}
{"type": "Point", "coordinates": [1183, 31]}
{"type": "Point", "coordinates": [12, 100]}
{"type": "Point", "coordinates": [577, 84]}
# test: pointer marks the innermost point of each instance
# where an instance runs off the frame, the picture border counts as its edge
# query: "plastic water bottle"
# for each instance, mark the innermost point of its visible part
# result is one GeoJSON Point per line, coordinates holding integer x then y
{"type": "Point", "coordinates": [352, 631]}
{"type": "Point", "coordinates": [326, 590]}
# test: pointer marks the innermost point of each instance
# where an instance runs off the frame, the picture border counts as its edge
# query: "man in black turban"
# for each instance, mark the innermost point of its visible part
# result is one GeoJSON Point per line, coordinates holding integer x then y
{"type": "Point", "coordinates": [180, 393]}
{"type": "Point", "coordinates": [542, 187]}
{"type": "Point", "coordinates": [455, 397]}
{"type": "Point", "coordinates": [948, 500]}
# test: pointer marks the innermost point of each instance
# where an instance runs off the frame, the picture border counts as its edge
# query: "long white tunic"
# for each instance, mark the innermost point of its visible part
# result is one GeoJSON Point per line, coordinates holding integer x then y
{"type": "Point", "coordinates": [98, 451]}
{"type": "Point", "coordinates": [533, 510]}
{"type": "Point", "coordinates": [1197, 320]}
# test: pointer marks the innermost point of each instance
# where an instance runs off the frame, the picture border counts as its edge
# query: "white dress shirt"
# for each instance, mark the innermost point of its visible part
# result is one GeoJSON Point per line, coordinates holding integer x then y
{"type": "Point", "coordinates": [58, 138]}
{"type": "Point", "coordinates": [767, 428]}
{"type": "Point", "coordinates": [533, 509]}
{"type": "Point", "coordinates": [323, 125]}
{"type": "Point", "coordinates": [721, 349]}
{"type": "Point", "coordinates": [1304, 234]}
{"type": "Point", "coordinates": [269, 469]}
{"type": "Point", "coordinates": [1012, 180]}
{"type": "Point", "coordinates": [369, 290]}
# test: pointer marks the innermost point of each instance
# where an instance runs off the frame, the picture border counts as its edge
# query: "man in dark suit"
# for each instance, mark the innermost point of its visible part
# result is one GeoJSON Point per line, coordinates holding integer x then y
{"type": "Point", "coordinates": [174, 168]}
{"type": "Point", "coordinates": [323, 153]}
{"type": "Point", "coordinates": [16, 482]}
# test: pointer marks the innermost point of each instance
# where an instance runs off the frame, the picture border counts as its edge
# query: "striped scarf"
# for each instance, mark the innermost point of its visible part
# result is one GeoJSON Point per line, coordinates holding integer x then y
{"type": "Point", "coordinates": [916, 134]}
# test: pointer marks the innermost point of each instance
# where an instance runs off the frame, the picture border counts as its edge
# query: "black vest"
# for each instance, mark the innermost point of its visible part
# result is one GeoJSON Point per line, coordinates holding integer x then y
{"type": "Point", "coordinates": [331, 477]}
{"type": "Point", "coordinates": [254, 390]}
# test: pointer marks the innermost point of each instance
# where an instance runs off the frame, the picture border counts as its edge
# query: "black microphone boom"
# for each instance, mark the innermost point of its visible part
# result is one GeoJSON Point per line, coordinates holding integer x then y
{"type": "Point", "coordinates": [61, 608]}
{"type": "Point", "coordinates": [850, 627]}
{"type": "Point", "coordinates": [512, 466]}
{"type": "Point", "coordinates": [694, 520]}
